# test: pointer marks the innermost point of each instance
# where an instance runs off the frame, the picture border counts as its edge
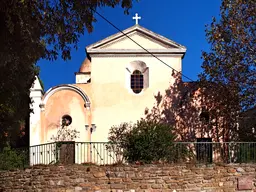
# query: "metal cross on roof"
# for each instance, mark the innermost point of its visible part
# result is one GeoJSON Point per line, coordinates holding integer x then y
{"type": "Point", "coordinates": [136, 18]}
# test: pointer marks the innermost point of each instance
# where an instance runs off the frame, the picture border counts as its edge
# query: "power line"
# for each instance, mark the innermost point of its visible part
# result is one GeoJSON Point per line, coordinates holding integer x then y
{"type": "Point", "coordinates": [140, 45]}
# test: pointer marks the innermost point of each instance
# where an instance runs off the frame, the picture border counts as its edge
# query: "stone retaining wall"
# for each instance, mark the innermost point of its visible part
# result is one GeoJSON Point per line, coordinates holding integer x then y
{"type": "Point", "coordinates": [139, 178]}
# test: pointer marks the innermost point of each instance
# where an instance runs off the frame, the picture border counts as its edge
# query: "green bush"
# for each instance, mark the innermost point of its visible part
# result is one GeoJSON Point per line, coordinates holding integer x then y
{"type": "Point", "coordinates": [118, 141]}
{"type": "Point", "coordinates": [146, 141]}
{"type": "Point", "coordinates": [10, 159]}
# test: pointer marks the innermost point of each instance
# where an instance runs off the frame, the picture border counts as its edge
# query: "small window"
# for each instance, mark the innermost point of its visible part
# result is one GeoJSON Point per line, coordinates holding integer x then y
{"type": "Point", "coordinates": [204, 115]}
{"type": "Point", "coordinates": [137, 81]}
{"type": "Point", "coordinates": [66, 120]}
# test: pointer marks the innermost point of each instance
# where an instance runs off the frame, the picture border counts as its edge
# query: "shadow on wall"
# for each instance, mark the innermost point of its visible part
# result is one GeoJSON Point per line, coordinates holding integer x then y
{"type": "Point", "coordinates": [193, 111]}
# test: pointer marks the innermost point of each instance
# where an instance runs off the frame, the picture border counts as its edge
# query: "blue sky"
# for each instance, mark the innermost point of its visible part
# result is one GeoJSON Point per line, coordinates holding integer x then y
{"type": "Point", "coordinates": [182, 21]}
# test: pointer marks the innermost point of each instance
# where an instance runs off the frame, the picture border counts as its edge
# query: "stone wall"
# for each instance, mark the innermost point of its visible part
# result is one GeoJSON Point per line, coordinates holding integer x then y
{"type": "Point", "coordinates": [137, 178]}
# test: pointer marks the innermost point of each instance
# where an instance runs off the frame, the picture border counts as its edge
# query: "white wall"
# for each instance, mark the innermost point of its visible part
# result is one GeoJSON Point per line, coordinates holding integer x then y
{"type": "Point", "coordinates": [113, 101]}
{"type": "Point", "coordinates": [36, 93]}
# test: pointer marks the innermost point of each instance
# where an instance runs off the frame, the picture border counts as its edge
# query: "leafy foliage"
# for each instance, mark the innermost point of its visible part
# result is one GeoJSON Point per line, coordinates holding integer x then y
{"type": "Point", "coordinates": [230, 63]}
{"type": "Point", "coordinates": [191, 110]}
{"type": "Point", "coordinates": [212, 106]}
{"type": "Point", "coordinates": [247, 126]}
{"type": "Point", "coordinates": [146, 141]}
{"type": "Point", "coordinates": [10, 159]}
{"type": "Point", "coordinates": [32, 30]}
{"type": "Point", "coordinates": [118, 140]}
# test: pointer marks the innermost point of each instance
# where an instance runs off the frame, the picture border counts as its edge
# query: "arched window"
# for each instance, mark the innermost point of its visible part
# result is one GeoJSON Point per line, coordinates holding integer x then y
{"type": "Point", "coordinates": [137, 81]}
{"type": "Point", "coordinates": [137, 77]}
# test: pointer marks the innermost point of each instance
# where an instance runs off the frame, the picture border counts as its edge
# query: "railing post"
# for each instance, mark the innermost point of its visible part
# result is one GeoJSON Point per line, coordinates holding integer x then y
{"type": "Point", "coordinates": [229, 155]}
{"type": "Point", "coordinates": [90, 152]}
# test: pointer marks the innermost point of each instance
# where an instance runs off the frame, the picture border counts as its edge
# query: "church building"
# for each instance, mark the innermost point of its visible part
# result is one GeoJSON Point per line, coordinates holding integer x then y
{"type": "Point", "coordinates": [116, 82]}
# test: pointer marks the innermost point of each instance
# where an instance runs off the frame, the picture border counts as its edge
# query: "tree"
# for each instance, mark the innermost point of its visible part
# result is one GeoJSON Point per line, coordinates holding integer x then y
{"type": "Point", "coordinates": [31, 30]}
{"type": "Point", "coordinates": [230, 63]}
{"type": "Point", "coordinates": [247, 126]}
{"type": "Point", "coordinates": [191, 110]}
{"type": "Point", "coordinates": [11, 159]}
{"type": "Point", "coordinates": [147, 141]}
{"type": "Point", "coordinates": [212, 106]}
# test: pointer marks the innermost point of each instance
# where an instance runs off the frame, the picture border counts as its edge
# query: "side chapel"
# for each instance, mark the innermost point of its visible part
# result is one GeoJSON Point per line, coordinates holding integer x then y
{"type": "Point", "coordinates": [115, 83]}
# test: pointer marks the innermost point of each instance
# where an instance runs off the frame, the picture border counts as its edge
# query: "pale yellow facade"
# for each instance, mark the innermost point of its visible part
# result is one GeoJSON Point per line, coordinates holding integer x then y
{"type": "Point", "coordinates": [102, 94]}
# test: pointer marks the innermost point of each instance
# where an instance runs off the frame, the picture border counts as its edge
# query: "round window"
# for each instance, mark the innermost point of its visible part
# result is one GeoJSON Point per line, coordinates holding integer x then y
{"type": "Point", "coordinates": [66, 120]}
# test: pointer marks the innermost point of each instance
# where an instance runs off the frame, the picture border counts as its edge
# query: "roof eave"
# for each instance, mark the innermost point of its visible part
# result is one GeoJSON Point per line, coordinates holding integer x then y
{"type": "Point", "coordinates": [130, 30]}
{"type": "Point", "coordinates": [111, 38]}
{"type": "Point", "coordinates": [128, 51]}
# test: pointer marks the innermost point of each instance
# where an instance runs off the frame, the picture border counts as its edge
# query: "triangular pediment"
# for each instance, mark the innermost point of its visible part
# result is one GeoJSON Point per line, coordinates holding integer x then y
{"type": "Point", "coordinates": [136, 39]}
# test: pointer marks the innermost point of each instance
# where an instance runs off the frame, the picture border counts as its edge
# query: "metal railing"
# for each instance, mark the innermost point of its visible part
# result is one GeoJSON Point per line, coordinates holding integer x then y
{"type": "Point", "coordinates": [95, 152]}
{"type": "Point", "coordinates": [43, 154]}
{"type": "Point", "coordinates": [103, 153]}
{"type": "Point", "coordinates": [213, 152]}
